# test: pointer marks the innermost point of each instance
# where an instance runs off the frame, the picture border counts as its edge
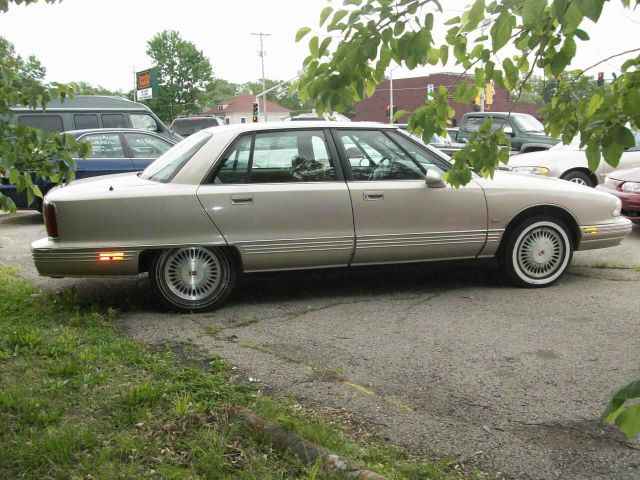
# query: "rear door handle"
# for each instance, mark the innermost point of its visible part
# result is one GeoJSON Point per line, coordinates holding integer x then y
{"type": "Point", "coordinates": [241, 199]}
{"type": "Point", "coordinates": [373, 195]}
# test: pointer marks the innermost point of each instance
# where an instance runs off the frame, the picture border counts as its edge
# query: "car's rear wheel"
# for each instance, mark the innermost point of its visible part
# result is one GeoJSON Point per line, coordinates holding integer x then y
{"type": "Point", "coordinates": [581, 178]}
{"type": "Point", "coordinates": [193, 278]}
{"type": "Point", "coordinates": [537, 252]}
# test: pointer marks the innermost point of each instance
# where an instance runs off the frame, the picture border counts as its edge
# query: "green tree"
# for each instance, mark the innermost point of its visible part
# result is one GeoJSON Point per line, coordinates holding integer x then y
{"type": "Point", "coordinates": [85, 88]}
{"type": "Point", "coordinates": [28, 154]}
{"type": "Point", "coordinates": [544, 35]}
{"type": "Point", "coordinates": [217, 90]}
{"type": "Point", "coordinates": [284, 95]}
{"type": "Point", "coordinates": [184, 73]}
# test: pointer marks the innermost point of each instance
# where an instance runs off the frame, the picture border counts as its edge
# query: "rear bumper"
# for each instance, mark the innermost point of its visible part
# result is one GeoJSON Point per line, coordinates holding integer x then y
{"type": "Point", "coordinates": [53, 261]}
{"type": "Point", "coordinates": [604, 235]}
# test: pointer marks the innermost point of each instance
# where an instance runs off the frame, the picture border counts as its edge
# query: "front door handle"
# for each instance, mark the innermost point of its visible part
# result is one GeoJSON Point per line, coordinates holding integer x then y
{"type": "Point", "coordinates": [373, 195]}
{"type": "Point", "coordinates": [241, 199]}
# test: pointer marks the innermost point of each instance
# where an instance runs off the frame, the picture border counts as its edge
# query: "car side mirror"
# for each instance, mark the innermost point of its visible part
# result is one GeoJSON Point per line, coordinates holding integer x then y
{"type": "Point", "coordinates": [434, 179]}
{"type": "Point", "coordinates": [508, 131]}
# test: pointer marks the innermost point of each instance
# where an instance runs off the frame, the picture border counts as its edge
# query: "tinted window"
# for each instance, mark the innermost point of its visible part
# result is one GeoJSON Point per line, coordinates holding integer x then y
{"type": "Point", "coordinates": [146, 146]}
{"type": "Point", "coordinates": [113, 120]}
{"type": "Point", "coordinates": [277, 157]}
{"type": "Point", "coordinates": [143, 122]}
{"type": "Point", "coordinates": [85, 120]}
{"type": "Point", "coordinates": [166, 166]}
{"type": "Point", "coordinates": [50, 123]}
{"type": "Point", "coordinates": [105, 145]}
{"type": "Point", "coordinates": [474, 123]}
{"type": "Point", "coordinates": [189, 126]}
{"type": "Point", "coordinates": [374, 156]}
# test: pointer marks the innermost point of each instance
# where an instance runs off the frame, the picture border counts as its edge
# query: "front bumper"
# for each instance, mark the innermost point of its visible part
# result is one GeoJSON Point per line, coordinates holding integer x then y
{"type": "Point", "coordinates": [604, 235]}
{"type": "Point", "coordinates": [52, 260]}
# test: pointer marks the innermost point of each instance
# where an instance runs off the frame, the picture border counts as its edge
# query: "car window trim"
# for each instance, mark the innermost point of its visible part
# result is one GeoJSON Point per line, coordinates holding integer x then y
{"type": "Point", "coordinates": [209, 179]}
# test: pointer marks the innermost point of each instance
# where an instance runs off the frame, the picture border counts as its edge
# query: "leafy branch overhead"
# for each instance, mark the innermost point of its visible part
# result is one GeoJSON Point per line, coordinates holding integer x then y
{"type": "Point", "coordinates": [28, 154]}
{"type": "Point", "coordinates": [366, 36]}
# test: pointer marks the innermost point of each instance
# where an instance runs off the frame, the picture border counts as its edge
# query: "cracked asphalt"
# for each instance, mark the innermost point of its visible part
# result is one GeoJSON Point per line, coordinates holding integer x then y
{"type": "Point", "coordinates": [445, 360]}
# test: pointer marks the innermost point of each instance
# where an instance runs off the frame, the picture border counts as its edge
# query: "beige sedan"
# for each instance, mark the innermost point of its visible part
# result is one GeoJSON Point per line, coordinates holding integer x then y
{"type": "Point", "coordinates": [288, 196]}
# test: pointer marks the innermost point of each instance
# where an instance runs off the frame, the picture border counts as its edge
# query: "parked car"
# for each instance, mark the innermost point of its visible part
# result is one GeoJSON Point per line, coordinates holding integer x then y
{"type": "Point", "coordinates": [287, 196]}
{"type": "Point", "coordinates": [442, 143]}
{"type": "Point", "coordinates": [569, 162]}
{"type": "Point", "coordinates": [92, 111]}
{"type": "Point", "coordinates": [313, 117]}
{"type": "Point", "coordinates": [625, 184]}
{"type": "Point", "coordinates": [191, 124]}
{"type": "Point", "coordinates": [113, 150]}
{"type": "Point", "coordinates": [525, 131]}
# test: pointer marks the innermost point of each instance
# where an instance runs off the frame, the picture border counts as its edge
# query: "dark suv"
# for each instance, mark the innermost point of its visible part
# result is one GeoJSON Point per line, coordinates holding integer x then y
{"type": "Point", "coordinates": [525, 131]}
{"type": "Point", "coordinates": [186, 126]}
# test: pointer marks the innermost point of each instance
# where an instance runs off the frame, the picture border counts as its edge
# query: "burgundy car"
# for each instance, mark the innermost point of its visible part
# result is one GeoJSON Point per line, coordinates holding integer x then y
{"type": "Point", "coordinates": [625, 184]}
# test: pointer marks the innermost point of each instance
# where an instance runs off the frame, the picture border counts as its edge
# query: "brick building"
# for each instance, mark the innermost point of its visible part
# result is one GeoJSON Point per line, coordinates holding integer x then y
{"type": "Point", "coordinates": [409, 93]}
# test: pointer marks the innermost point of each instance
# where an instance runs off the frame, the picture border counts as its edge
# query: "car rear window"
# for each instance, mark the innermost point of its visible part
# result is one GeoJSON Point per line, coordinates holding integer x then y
{"type": "Point", "coordinates": [168, 165]}
{"type": "Point", "coordinates": [189, 126]}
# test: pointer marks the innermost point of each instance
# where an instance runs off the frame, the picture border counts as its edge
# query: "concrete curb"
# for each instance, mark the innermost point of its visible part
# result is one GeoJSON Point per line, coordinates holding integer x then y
{"type": "Point", "coordinates": [307, 451]}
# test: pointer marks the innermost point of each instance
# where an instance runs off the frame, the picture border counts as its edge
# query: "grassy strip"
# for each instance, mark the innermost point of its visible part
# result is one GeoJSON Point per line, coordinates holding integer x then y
{"type": "Point", "coordinates": [80, 400]}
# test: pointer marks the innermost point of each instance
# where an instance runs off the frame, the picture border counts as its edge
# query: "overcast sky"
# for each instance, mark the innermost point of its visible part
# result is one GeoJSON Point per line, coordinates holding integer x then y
{"type": "Point", "coordinates": [101, 41]}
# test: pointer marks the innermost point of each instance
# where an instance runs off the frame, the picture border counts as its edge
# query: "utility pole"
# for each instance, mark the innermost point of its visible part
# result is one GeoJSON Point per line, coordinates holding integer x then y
{"type": "Point", "coordinates": [264, 84]}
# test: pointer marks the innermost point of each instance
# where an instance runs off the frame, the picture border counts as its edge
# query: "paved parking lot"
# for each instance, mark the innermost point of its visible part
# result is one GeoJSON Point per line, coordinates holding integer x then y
{"type": "Point", "coordinates": [445, 360]}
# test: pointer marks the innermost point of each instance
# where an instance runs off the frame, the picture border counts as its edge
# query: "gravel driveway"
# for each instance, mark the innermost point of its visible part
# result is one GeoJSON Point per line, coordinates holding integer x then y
{"type": "Point", "coordinates": [444, 360]}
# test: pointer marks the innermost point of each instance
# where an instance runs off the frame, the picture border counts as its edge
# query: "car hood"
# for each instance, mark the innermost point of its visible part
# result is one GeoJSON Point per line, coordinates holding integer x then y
{"type": "Point", "coordinates": [99, 185]}
{"type": "Point", "coordinates": [628, 175]}
{"type": "Point", "coordinates": [521, 182]}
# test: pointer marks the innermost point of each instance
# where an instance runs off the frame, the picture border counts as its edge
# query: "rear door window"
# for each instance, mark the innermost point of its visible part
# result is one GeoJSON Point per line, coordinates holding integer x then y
{"type": "Point", "coordinates": [50, 123]}
{"type": "Point", "coordinates": [146, 146]}
{"type": "Point", "coordinates": [113, 120]}
{"type": "Point", "coordinates": [85, 120]}
{"type": "Point", "coordinates": [144, 121]}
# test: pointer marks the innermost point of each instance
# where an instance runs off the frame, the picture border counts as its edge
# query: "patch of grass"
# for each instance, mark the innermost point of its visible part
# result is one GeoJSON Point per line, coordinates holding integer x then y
{"type": "Point", "coordinates": [80, 400]}
{"type": "Point", "coordinates": [609, 265]}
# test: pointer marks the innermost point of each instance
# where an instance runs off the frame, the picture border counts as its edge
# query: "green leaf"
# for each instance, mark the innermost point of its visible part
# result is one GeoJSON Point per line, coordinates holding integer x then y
{"type": "Point", "coordinates": [590, 8]}
{"type": "Point", "coordinates": [339, 15]}
{"type": "Point", "coordinates": [474, 16]}
{"type": "Point", "coordinates": [532, 11]}
{"type": "Point", "coordinates": [501, 31]}
{"type": "Point", "coordinates": [629, 420]}
{"type": "Point", "coordinates": [398, 28]}
{"type": "Point", "coordinates": [572, 19]}
{"type": "Point", "coordinates": [452, 21]}
{"type": "Point", "coordinates": [593, 156]}
{"type": "Point", "coordinates": [324, 14]}
{"type": "Point", "coordinates": [444, 54]}
{"type": "Point", "coordinates": [612, 152]}
{"type": "Point", "coordinates": [594, 104]}
{"type": "Point", "coordinates": [511, 74]}
{"type": "Point", "coordinates": [301, 33]}
{"type": "Point", "coordinates": [314, 48]}
{"type": "Point", "coordinates": [582, 35]}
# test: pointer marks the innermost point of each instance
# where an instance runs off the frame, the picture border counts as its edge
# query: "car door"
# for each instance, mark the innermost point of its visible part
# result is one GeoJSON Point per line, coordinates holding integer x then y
{"type": "Point", "coordinates": [107, 156]}
{"type": "Point", "coordinates": [398, 218]}
{"type": "Point", "coordinates": [281, 199]}
{"type": "Point", "coordinates": [144, 148]}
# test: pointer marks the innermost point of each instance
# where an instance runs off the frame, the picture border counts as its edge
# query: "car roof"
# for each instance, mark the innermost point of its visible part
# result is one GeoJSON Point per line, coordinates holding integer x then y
{"type": "Point", "coordinates": [91, 102]}
{"type": "Point", "coordinates": [500, 114]}
{"type": "Point", "coordinates": [79, 133]}
{"type": "Point", "coordinates": [250, 127]}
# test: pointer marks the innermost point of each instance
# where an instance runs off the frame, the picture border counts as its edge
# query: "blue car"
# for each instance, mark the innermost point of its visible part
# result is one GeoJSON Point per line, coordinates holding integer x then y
{"type": "Point", "coordinates": [117, 150]}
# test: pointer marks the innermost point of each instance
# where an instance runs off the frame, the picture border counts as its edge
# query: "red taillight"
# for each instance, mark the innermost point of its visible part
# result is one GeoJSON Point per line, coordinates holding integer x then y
{"type": "Point", "coordinates": [50, 219]}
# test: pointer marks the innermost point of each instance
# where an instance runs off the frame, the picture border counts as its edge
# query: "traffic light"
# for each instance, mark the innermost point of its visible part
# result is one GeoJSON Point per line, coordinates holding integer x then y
{"type": "Point", "coordinates": [256, 112]}
{"type": "Point", "coordinates": [600, 79]}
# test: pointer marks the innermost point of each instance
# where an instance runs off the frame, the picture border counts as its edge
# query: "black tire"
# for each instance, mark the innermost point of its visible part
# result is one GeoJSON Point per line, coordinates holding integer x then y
{"type": "Point", "coordinates": [537, 252]}
{"type": "Point", "coordinates": [581, 178]}
{"type": "Point", "coordinates": [193, 279]}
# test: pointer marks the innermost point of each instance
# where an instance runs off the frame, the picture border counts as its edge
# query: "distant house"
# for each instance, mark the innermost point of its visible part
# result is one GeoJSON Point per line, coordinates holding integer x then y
{"type": "Point", "coordinates": [410, 93]}
{"type": "Point", "coordinates": [240, 110]}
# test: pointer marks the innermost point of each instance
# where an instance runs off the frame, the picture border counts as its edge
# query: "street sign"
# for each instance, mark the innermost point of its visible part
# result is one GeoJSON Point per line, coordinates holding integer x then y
{"type": "Point", "coordinates": [147, 84]}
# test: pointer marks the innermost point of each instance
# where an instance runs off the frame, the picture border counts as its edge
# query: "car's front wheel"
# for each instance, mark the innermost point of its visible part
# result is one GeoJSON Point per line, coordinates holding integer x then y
{"type": "Point", "coordinates": [193, 278]}
{"type": "Point", "coordinates": [537, 252]}
{"type": "Point", "coordinates": [581, 178]}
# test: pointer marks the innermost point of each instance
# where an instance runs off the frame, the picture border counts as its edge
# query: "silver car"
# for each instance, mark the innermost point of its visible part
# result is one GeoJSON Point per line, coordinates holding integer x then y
{"type": "Point", "coordinates": [289, 196]}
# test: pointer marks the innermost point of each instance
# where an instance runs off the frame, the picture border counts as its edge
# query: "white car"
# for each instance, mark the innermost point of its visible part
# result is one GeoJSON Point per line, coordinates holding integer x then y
{"type": "Point", "coordinates": [569, 162]}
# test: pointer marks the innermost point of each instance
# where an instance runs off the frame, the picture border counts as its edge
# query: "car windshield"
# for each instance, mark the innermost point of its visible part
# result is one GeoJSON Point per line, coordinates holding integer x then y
{"type": "Point", "coordinates": [528, 123]}
{"type": "Point", "coordinates": [167, 165]}
{"type": "Point", "coordinates": [189, 126]}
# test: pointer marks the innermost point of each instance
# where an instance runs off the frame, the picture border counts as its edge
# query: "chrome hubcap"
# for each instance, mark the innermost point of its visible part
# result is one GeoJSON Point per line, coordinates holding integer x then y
{"type": "Point", "coordinates": [192, 273]}
{"type": "Point", "coordinates": [579, 181]}
{"type": "Point", "coordinates": [541, 252]}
